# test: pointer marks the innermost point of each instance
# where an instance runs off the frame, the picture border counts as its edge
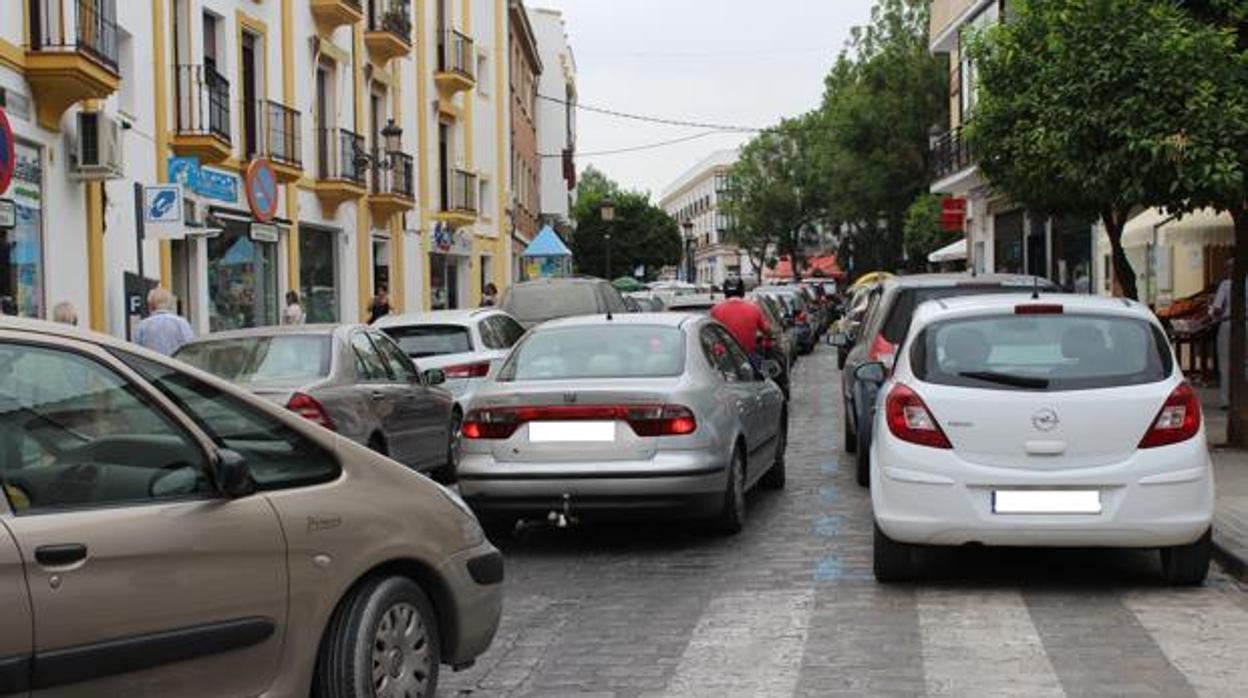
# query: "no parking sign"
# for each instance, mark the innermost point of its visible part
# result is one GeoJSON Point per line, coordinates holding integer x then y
{"type": "Point", "coordinates": [8, 158]}
{"type": "Point", "coordinates": [261, 185]}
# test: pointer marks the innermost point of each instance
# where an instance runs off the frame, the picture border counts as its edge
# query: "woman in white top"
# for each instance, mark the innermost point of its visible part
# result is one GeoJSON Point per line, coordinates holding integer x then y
{"type": "Point", "coordinates": [293, 314]}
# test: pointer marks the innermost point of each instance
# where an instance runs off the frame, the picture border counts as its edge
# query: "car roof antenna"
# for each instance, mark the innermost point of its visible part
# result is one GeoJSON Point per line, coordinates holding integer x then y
{"type": "Point", "coordinates": [1035, 288]}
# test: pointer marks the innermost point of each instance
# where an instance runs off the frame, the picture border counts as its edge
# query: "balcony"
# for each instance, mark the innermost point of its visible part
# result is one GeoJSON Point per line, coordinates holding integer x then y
{"type": "Point", "coordinates": [331, 14]}
{"type": "Point", "coordinates": [202, 127]}
{"type": "Point", "coordinates": [71, 58]}
{"type": "Point", "coordinates": [341, 175]}
{"type": "Point", "coordinates": [456, 64]}
{"type": "Point", "coordinates": [459, 199]}
{"type": "Point", "coordinates": [391, 187]}
{"type": "Point", "coordinates": [389, 33]}
{"type": "Point", "coordinates": [953, 162]}
{"type": "Point", "coordinates": [278, 139]}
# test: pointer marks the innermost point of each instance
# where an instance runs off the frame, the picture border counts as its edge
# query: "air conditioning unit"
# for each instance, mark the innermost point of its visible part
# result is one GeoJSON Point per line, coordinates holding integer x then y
{"type": "Point", "coordinates": [96, 153]}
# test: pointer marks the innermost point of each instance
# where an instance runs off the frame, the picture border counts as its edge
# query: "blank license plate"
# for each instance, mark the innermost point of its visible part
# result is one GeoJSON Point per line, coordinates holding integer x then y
{"type": "Point", "coordinates": [1046, 502]}
{"type": "Point", "coordinates": [572, 432]}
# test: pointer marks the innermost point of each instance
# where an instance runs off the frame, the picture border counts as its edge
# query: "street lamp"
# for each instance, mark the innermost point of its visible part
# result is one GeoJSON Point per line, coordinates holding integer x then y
{"type": "Point", "coordinates": [688, 228]}
{"type": "Point", "coordinates": [392, 142]}
{"type": "Point", "coordinates": [607, 210]}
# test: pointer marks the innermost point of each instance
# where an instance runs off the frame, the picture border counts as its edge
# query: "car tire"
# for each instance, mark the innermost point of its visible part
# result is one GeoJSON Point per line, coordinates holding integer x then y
{"type": "Point", "coordinates": [1187, 565]}
{"type": "Point", "coordinates": [387, 621]}
{"type": "Point", "coordinates": [862, 460]}
{"type": "Point", "coordinates": [731, 517]}
{"type": "Point", "coordinates": [447, 474]}
{"type": "Point", "coordinates": [850, 438]}
{"type": "Point", "coordinates": [775, 476]}
{"type": "Point", "coordinates": [891, 561]}
{"type": "Point", "coordinates": [377, 444]}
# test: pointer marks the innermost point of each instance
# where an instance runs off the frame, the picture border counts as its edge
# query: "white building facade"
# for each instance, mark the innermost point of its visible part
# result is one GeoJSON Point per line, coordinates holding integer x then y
{"type": "Point", "coordinates": [696, 200]}
{"type": "Point", "coordinates": [556, 116]}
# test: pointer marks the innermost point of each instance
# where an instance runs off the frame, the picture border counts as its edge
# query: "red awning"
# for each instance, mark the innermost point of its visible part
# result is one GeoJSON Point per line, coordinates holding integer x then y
{"type": "Point", "coordinates": [825, 264]}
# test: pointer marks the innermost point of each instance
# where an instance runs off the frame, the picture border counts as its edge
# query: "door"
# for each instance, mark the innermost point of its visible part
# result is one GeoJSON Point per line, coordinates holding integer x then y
{"type": "Point", "coordinates": [251, 107]}
{"type": "Point", "coordinates": [143, 582]}
{"type": "Point", "coordinates": [425, 411]}
{"type": "Point", "coordinates": [323, 121]}
{"type": "Point", "coordinates": [444, 165]}
{"type": "Point", "coordinates": [391, 434]}
{"type": "Point", "coordinates": [738, 388]}
{"type": "Point", "coordinates": [16, 642]}
{"type": "Point", "coordinates": [758, 425]}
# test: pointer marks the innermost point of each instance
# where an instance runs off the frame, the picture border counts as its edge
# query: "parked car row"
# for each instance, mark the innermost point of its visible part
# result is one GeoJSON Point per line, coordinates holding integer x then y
{"type": "Point", "coordinates": [994, 410]}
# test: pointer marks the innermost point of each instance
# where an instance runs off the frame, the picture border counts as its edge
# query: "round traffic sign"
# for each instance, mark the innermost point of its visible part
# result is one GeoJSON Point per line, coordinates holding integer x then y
{"type": "Point", "coordinates": [8, 158]}
{"type": "Point", "coordinates": [261, 185]}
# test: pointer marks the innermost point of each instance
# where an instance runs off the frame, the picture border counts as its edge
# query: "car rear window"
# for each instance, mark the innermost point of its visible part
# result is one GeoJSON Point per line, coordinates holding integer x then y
{"type": "Point", "coordinates": [419, 341]}
{"type": "Point", "coordinates": [1041, 352]}
{"type": "Point", "coordinates": [897, 326]}
{"type": "Point", "coordinates": [544, 302]}
{"type": "Point", "coordinates": [278, 359]}
{"type": "Point", "coordinates": [597, 351]}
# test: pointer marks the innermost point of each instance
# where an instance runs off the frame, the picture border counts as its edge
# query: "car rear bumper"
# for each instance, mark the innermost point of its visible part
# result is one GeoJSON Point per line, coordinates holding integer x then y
{"type": "Point", "coordinates": [677, 483]}
{"type": "Point", "coordinates": [477, 606]}
{"type": "Point", "coordinates": [1158, 497]}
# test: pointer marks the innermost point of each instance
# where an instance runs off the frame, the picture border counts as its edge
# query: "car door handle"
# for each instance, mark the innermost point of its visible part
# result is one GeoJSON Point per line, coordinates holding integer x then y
{"type": "Point", "coordinates": [60, 555]}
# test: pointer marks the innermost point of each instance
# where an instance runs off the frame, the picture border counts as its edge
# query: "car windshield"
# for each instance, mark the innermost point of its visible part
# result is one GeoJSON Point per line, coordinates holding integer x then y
{"type": "Point", "coordinates": [541, 302]}
{"type": "Point", "coordinates": [598, 351]}
{"type": "Point", "coordinates": [431, 340]}
{"type": "Point", "coordinates": [1041, 352]}
{"type": "Point", "coordinates": [897, 326]}
{"type": "Point", "coordinates": [266, 359]}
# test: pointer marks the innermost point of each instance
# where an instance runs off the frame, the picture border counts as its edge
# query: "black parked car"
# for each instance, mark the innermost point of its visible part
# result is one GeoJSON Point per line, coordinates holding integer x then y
{"type": "Point", "coordinates": [887, 322]}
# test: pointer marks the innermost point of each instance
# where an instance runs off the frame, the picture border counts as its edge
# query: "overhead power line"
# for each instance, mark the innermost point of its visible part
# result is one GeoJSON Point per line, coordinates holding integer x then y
{"type": "Point", "coordinates": [649, 146]}
{"type": "Point", "coordinates": [652, 119]}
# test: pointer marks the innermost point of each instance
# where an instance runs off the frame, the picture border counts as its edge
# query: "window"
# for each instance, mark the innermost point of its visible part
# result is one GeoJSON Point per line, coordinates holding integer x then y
{"type": "Point", "coordinates": [368, 363]}
{"type": "Point", "coordinates": [716, 347]}
{"type": "Point", "coordinates": [485, 202]}
{"type": "Point", "coordinates": [278, 455]}
{"type": "Point", "coordinates": [400, 365]}
{"type": "Point", "coordinates": [507, 330]}
{"type": "Point", "coordinates": [129, 101]}
{"type": "Point", "coordinates": [74, 434]}
{"type": "Point", "coordinates": [21, 247]}
{"type": "Point", "coordinates": [282, 358]}
{"type": "Point", "coordinates": [318, 274]}
{"type": "Point", "coordinates": [242, 280]}
{"type": "Point", "coordinates": [418, 341]}
{"type": "Point", "coordinates": [623, 351]}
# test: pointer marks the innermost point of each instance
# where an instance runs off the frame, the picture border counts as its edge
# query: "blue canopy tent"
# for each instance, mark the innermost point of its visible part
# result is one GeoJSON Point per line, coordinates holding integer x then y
{"type": "Point", "coordinates": [546, 256]}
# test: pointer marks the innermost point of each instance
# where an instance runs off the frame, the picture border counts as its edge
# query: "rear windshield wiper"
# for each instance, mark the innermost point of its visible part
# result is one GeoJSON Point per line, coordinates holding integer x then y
{"type": "Point", "coordinates": [1007, 379]}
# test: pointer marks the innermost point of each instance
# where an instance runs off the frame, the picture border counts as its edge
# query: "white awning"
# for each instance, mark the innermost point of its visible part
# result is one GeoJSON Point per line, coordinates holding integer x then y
{"type": "Point", "coordinates": [953, 252]}
{"type": "Point", "coordinates": [1205, 226]}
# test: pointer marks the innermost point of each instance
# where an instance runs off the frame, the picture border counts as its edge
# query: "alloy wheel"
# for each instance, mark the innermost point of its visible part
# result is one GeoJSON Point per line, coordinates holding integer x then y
{"type": "Point", "coordinates": [402, 654]}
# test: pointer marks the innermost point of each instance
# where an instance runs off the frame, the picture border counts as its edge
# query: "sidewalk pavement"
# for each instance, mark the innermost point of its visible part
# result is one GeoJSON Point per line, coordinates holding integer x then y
{"type": "Point", "coordinates": [1230, 475]}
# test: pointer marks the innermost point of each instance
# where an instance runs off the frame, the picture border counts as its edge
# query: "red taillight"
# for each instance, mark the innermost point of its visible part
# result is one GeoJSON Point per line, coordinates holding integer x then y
{"type": "Point", "coordinates": [480, 370]}
{"type": "Point", "coordinates": [1178, 420]}
{"type": "Point", "coordinates": [767, 343]}
{"type": "Point", "coordinates": [1038, 309]}
{"type": "Point", "coordinates": [882, 351]}
{"type": "Point", "coordinates": [645, 420]}
{"type": "Point", "coordinates": [801, 316]}
{"type": "Point", "coordinates": [910, 420]}
{"type": "Point", "coordinates": [307, 407]}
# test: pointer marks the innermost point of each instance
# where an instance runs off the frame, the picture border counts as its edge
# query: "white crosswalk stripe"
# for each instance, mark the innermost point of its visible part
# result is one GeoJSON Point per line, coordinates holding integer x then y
{"type": "Point", "coordinates": [983, 644]}
{"type": "Point", "coordinates": [1203, 634]}
{"type": "Point", "coordinates": [746, 644]}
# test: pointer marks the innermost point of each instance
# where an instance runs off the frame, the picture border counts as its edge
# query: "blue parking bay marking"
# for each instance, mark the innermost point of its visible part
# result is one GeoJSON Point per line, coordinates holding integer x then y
{"type": "Point", "coordinates": [828, 526]}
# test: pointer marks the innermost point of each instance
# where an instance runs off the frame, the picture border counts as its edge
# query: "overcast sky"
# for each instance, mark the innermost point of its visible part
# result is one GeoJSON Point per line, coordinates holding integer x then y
{"type": "Point", "coordinates": [740, 62]}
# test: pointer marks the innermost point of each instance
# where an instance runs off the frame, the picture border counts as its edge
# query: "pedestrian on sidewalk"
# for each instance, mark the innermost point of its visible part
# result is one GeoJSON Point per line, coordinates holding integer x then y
{"type": "Point", "coordinates": [489, 296]}
{"type": "Point", "coordinates": [1220, 311]}
{"type": "Point", "coordinates": [380, 305]}
{"type": "Point", "coordinates": [163, 331]}
{"type": "Point", "coordinates": [293, 314]}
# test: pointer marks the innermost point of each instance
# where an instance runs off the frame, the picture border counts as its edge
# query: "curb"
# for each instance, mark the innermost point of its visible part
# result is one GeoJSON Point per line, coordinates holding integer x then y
{"type": "Point", "coordinates": [1232, 558]}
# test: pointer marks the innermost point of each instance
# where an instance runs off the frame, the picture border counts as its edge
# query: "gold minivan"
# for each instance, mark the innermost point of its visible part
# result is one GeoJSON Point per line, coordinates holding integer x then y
{"type": "Point", "coordinates": [165, 534]}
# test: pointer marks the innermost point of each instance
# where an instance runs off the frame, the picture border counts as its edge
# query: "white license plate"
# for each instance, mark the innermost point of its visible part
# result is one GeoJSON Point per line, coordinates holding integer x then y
{"type": "Point", "coordinates": [571, 432]}
{"type": "Point", "coordinates": [1046, 502]}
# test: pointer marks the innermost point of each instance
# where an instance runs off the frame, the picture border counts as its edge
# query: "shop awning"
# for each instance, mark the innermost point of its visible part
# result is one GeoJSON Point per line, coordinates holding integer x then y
{"type": "Point", "coordinates": [825, 265]}
{"type": "Point", "coordinates": [1202, 227]}
{"type": "Point", "coordinates": [547, 244]}
{"type": "Point", "coordinates": [953, 252]}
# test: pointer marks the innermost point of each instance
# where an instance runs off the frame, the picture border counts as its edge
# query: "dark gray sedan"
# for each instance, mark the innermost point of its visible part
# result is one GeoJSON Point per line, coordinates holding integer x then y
{"type": "Point", "coordinates": [351, 379]}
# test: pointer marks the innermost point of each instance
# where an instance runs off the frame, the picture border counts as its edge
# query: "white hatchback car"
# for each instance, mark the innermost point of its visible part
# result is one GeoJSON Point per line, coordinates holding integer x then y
{"type": "Point", "coordinates": [1054, 421]}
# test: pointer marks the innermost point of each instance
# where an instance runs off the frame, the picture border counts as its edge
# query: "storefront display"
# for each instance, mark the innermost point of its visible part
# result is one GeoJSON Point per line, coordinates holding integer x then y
{"type": "Point", "coordinates": [1008, 242]}
{"type": "Point", "coordinates": [1072, 254]}
{"type": "Point", "coordinates": [21, 247]}
{"type": "Point", "coordinates": [318, 274]}
{"type": "Point", "coordinates": [443, 281]}
{"type": "Point", "coordinates": [381, 264]}
{"type": "Point", "coordinates": [242, 279]}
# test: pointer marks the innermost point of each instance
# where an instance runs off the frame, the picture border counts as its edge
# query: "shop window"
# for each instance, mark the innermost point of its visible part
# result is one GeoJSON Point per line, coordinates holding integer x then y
{"type": "Point", "coordinates": [444, 281]}
{"type": "Point", "coordinates": [1072, 254]}
{"type": "Point", "coordinates": [242, 280]}
{"type": "Point", "coordinates": [318, 274]}
{"type": "Point", "coordinates": [1008, 243]}
{"type": "Point", "coordinates": [21, 247]}
{"type": "Point", "coordinates": [381, 264]}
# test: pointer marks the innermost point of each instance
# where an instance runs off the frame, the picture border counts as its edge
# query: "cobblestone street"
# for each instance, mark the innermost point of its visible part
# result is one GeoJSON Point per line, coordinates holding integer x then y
{"type": "Point", "coordinates": [789, 607]}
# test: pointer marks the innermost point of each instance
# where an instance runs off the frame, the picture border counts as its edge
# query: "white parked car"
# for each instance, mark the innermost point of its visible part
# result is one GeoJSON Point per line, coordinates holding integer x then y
{"type": "Point", "coordinates": [464, 344]}
{"type": "Point", "coordinates": [1057, 421]}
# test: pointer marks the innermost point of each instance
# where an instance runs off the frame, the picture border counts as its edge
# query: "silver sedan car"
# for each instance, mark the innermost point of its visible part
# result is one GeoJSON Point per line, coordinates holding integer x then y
{"type": "Point", "coordinates": [662, 413]}
{"type": "Point", "coordinates": [351, 379]}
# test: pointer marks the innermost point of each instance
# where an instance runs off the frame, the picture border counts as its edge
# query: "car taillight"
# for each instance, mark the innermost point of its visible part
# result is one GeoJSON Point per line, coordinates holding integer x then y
{"type": "Point", "coordinates": [480, 370]}
{"type": "Point", "coordinates": [883, 351]}
{"type": "Point", "coordinates": [1178, 420]}
{"type": "Point", "coordinates": [1038, 309]}
{"type": "Point", "coordinates": [910, 420]}
{"type": "Point", "coordinates": [645, 420]}
{"type": "Point", "coordinates": [801, 316]}
{"type": "Point", "coordinates": [307, 407]}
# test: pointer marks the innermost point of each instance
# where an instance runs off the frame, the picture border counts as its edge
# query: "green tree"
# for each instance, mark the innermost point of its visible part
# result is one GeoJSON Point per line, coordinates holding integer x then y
{"type": "Point", "coordinates": [641, 234]}
{"type": "Point", "coordinates": [923, 232]}
{"type": "Point", "coordinates": [1087, 108]}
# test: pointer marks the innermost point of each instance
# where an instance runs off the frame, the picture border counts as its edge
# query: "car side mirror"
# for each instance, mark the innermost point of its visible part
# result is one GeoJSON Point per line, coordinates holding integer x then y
{"type": "Point", "coordinates": [234, 478]}
{"type": "Point", "coordinates": [435, 376]}
{"type": "Point", "coordinates": [772, 369]}
{"type": "Point", "coordinates": [873, 372]}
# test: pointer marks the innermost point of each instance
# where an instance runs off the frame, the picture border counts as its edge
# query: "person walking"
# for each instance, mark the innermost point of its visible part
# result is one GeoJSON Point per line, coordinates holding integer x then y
{"type": "Point", "coordinates": [743, 319]}
{"type": "Point", "coordinates": [489, 296]}
{"type": "Point", "coordinates": [293, 313]}
{"type": "Point", "coordinates": [164, 331]}
{"type": "Point", "coordinates": [380, 305]}
{"type": "Point", "coordinates": [1220, 311]}
{"type": "Point", "coordinates": [65, 313]}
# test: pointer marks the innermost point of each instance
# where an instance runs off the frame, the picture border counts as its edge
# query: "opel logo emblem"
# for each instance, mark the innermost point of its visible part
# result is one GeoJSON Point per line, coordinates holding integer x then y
{"type": "Point", "coordinates": [1045, 420]}
{"type": "Point", "coordinates": [569, 398]}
